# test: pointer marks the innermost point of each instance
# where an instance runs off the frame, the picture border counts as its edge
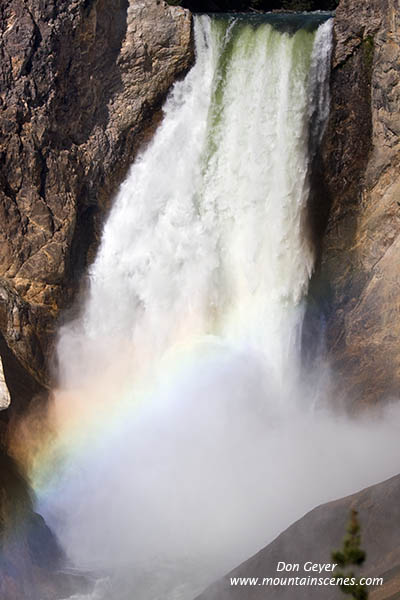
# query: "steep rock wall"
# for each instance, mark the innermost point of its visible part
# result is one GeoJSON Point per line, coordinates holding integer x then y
{"type": "Point", "coordinates": [80, 86]}
{"type": "Point", "coordinates": [358, 277]}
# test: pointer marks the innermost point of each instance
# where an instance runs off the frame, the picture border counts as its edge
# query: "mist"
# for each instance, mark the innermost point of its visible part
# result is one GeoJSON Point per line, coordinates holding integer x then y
{"type": "Point", "coordinates": [206, 472]}
{"type": "Point", "coordinates": [184, 434]}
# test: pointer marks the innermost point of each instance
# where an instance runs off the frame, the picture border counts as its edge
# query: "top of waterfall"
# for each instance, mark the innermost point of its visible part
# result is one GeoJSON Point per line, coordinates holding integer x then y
{"type": "Point", "coordinates": [289, 22]}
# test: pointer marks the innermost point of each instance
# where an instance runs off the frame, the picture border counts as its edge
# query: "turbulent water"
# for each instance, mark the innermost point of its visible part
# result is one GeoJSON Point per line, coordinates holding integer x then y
{"type": "Point", "coordinates": [206, 235]}
{"type": "Point", "coordinates": [183, 430]}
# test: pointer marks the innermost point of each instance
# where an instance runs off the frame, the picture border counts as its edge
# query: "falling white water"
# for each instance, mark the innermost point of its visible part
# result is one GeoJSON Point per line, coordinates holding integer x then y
{"type": "Point", "coordinates": [319, 88]}
{"type": "Point", "coordinates": [205, 237]}
{"type": "Point", "coordinates": [185, 440]}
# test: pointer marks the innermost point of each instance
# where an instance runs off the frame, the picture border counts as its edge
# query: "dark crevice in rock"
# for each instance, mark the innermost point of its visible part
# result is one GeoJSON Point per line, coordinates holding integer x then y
{"type": "Point", "coordinates": [36, 41]}
{"type": "Point", "coordinates": [23, 387]}
{"type": "Point", "coordinates": [43, 170]}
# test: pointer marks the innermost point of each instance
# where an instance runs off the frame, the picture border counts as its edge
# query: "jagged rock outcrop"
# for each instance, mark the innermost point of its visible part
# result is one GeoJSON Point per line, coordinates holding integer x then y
{"type": "Point", "coordinates": [358, 278]}
{"type": "Point", "coordinates": [314, 537]}
{"type": "Point", "coordinates": [80, 86]}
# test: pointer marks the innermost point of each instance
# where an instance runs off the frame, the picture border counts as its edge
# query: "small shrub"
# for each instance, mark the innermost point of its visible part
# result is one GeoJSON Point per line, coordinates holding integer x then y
{"type": "Point", "coordinates": [351, 555]}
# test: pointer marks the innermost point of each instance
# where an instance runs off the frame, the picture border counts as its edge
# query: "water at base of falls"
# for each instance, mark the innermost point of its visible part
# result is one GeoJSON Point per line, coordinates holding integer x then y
{"type": "Point", "coordinates": [183, 430]}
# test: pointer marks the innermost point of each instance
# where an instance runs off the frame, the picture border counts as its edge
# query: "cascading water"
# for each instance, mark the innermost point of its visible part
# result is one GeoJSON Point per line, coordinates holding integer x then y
{"type": "Point", "coordinates": [207, 228]}
{"type": "Point", "coordinates": [182, 430]}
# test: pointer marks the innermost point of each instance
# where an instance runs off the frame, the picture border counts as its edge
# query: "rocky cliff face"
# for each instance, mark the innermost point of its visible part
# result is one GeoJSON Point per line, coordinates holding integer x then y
{"type": "Point", "coordinates": [80, 86]}
{"type": "Point", "coordinates": [358, 278]}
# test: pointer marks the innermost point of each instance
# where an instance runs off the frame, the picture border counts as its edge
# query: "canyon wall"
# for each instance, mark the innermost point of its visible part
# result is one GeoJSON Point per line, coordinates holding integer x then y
{"type": "Point", "coordinates": [82, 83]}
{"type": "Point", "coordinates": [357, 205]}
{"type": "Point", "coordinates": [81, 87]}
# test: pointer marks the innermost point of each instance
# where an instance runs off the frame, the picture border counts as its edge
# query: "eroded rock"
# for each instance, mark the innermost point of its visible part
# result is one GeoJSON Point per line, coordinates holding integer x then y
{"type": "Point", "coordinates": [81, 85]}
{"type": "Point", "coordinates": [358, 278]}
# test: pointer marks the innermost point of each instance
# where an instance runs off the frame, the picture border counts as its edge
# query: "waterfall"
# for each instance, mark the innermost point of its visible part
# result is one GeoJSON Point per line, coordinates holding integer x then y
{"type": "Point", "coordinates": [207, 227]}
{"type": "Point", "coordinates": [182, 431]}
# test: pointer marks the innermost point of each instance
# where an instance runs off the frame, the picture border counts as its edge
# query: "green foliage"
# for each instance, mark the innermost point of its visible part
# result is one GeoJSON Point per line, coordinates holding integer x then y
{"type": "Point", "coordinates": [368, 48]}
{"type": "Point", "coordinates": [348, 556]}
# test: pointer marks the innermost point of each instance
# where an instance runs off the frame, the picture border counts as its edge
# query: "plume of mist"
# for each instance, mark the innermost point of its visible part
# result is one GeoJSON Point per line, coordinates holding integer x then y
{"type": "Point", "coordinates": [207, 472]}
{"type": "Point", "coordinates": [182, 439]}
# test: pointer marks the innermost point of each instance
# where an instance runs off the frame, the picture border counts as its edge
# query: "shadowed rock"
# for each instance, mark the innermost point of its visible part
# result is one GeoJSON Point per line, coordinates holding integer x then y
{"type": "Point", "coordinates": [31, 560]}
{"type": "Point", "coordinates": [356, 204]}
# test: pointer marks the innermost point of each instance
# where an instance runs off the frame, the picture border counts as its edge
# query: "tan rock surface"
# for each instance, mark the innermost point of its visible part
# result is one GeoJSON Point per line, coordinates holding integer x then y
{"type": "Point", "coordinates": [358, 279]}
{"type": "Point", "coordinates": [80, 86]}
